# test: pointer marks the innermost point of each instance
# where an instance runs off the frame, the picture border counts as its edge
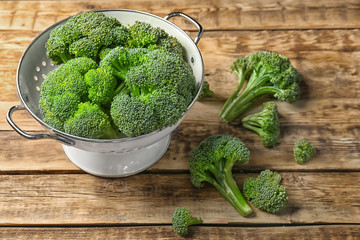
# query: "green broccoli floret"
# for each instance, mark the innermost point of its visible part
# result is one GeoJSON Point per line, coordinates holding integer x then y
{"type": "Point", "coordinates": [83, 35]}
{"type": "Point", "coordinates": [102, 85]}
{"type": "Point", "coordinates": [266, 73]}
{"type": "Point", "coordinates": [155, 90]}
{"type": "Point", "coordinates": [265, 123]}
{"type": "Point", "coordinates": [205, 91]}
{"type": "Point", "coordinates": [266, 192]}
{"type": "Point", "coordinates": [89, 121]}
{"type": "Point", "coordinates": [303, 151]}
{"type": "Point", "coordinates": [212, 161]}
{"type": "Point", "coordinates": [64, 88]}
{"type": "Point", "coordinates": [143, 35]}
{"type": "Point", "coordinates": [182, 219]}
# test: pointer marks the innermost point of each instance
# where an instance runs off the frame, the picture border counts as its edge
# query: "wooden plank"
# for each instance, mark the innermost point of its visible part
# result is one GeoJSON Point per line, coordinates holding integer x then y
{"type": "Point", "coordinates": [151, 199]}
{"type": "Point", "coordinates": [195, 232]}
{"type": "Point", "coordinates": [320, 121]}
{"type": "Point", "coordinates": [229, 15]}
{"type": "Point", "coordinates": [324, 58]}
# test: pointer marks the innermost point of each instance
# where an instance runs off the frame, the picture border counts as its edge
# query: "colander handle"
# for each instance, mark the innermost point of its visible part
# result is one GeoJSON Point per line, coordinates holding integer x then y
{"type": "Point", "coordinates": [180, 14]}
{"type": "Point", "coordinates": [32, 136]}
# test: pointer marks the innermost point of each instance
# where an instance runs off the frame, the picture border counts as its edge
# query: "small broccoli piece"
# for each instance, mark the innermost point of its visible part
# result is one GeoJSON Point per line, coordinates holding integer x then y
{"type": "Point", "coordinates": [205, 91]}
{"type": "Point", "coordinates": [212, 161]}
{"type": "Point", "coordinates": [303, 151]}
{"type": "Point", "coordinates": [266, 73]}
{"type": "Point", "coordinates": [265, 123]}
{"type": "Point", "coordinates": [102, 85]}
{"type": "Point", "coordinates": [83, 35]}
{"type": "Point", "coordinates": [89, 121]}
{"type": "Point", "coordinates": [266, 192]}
{"type": "Point", "coordinates": [156, 89]}
{"type": "Point", "coordinates": [182, 219]}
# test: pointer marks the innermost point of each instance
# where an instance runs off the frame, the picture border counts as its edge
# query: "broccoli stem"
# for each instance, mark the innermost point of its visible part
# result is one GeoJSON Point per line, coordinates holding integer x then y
{"type": "Point", "coordinates": [195, 221]}
{"type": "Point", "coordinates": [65, 57]}
{"type": "Point", "coordinates": [227, 186]}
{"type": "Point", "coordinates": [110, 133]}
{"type": "Point", "coordinates": [238, 104]}
{"type": "Point", "coordinates": [122, 88]}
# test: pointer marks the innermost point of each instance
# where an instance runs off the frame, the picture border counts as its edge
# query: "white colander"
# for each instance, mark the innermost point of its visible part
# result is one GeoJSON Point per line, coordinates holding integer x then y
{"type": "Point", "coordinates": [103, 157]}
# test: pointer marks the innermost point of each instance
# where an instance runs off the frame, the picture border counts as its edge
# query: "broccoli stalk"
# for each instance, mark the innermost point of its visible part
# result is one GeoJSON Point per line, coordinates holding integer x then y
{"type": "Point", "coordinates": [182, 219]}
{"type": "Point", "coordinates": [265, 123]}
{"type": "Point", "coordinates": [266, 73]}
{"type": "Point", "coordinates": [212, 161]}
{"type": "Point", "coordinates": [265, 192]}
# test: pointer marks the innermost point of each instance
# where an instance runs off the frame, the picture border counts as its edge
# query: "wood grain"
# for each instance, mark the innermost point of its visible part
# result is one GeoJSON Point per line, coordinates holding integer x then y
{"type": "Point", "coordinates": [350, 232]}
{"type": "Point", "coordinates": [213, 15]}
{"type": "Point", "coordinates": [320, 121]}
{"type": "Point", "coordinates": [151, 198]}
{"type": "Point", "coordinates": [324, 59]}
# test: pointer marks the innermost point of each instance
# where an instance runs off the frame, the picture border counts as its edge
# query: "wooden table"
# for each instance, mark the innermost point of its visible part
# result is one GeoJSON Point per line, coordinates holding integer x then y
{"type": "Point", "coordinates": [44, 196]}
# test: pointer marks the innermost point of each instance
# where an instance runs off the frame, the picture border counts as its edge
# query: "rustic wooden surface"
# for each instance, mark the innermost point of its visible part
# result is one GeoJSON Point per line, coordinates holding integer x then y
{"type": "Point", "coordinates": [44, 196]}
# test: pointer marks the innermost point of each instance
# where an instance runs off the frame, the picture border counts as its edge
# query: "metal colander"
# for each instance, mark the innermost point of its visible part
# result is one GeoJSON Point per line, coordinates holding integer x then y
{"type": "Point", "coordinates": [103, 157]}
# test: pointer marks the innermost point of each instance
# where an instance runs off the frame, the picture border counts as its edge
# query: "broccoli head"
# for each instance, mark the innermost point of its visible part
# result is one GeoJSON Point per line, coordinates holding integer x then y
{"type": "Point", "coordinates": [265, 123]}
{"type": "Point", "coordinates": [156, 89]}
{"type": "Point", "coordinates": [265, 192]}
{"type": "Point", "coordinates": [266, 73]}
{"type": "Point", "coordinates": [101, 85]}
{"type": "Point", "coordinates": [64, 88]}
{"type": "Point", "coordinates": [89, 121]}
{"type": "Point", "coordinates": [143, 35]}
{"type": "Point", "coordinates": [83, 35]}
{"type": "Point", "coordinates": [212, 161]}
{"type": "Point", "coordinates": [303, 151]}
{"type": "Point", "coordinates": [182, 219]}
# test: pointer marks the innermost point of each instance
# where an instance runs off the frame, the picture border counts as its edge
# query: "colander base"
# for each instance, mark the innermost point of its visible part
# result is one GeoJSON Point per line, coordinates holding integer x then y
{"type": "Point", "coordinates": [114, 165]}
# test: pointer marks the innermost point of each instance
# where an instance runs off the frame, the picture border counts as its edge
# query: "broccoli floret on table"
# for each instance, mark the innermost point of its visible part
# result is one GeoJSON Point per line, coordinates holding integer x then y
{"type": "Point", "coordinates": [265, 192]}
{"type": "Point", "coordinates": [265, 123]}
{"type": "Point", "coordinates": [182, 219]}
{"type": "Point", "coordinates": [303, 151]}
{"type": "Point", "coordinates": [205, 91]}
{"type": "Point", "coordinates": [260, 74]}
{"type": "Point", "coordinates": [212, 161]}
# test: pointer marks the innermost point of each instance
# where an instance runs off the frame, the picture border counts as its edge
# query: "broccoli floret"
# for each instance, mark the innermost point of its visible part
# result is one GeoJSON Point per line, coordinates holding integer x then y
{"type": "Point", "coordinates": [212, 161]}
{"type": "Point", "coordinates": [64, 88]}
{"type": "Point", "coordinates": [102, 85]}
{"type": "Point", "coordinates": [205, 91]}
{"type": "Point", "coordinates": [132, 116]}
{"type": "Point", "coordinates": [143, 35]}
{"type": "Point", "coordinates": [266, 73]}
{"type": "Point", "coordinates": [303, 151]}
{"type": "Point", "coordinates": [160, 86]}
{"type": "Point", "coordinates": [83, 35]}
{"type": "Point", "coordinates": [265, 123]}
{"type": "Point", "coordinates": [90, 121]}
{"type": "Point", "coordinates": [265, 192]}
{"type": "Point", "coordinates": [182, 219]}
